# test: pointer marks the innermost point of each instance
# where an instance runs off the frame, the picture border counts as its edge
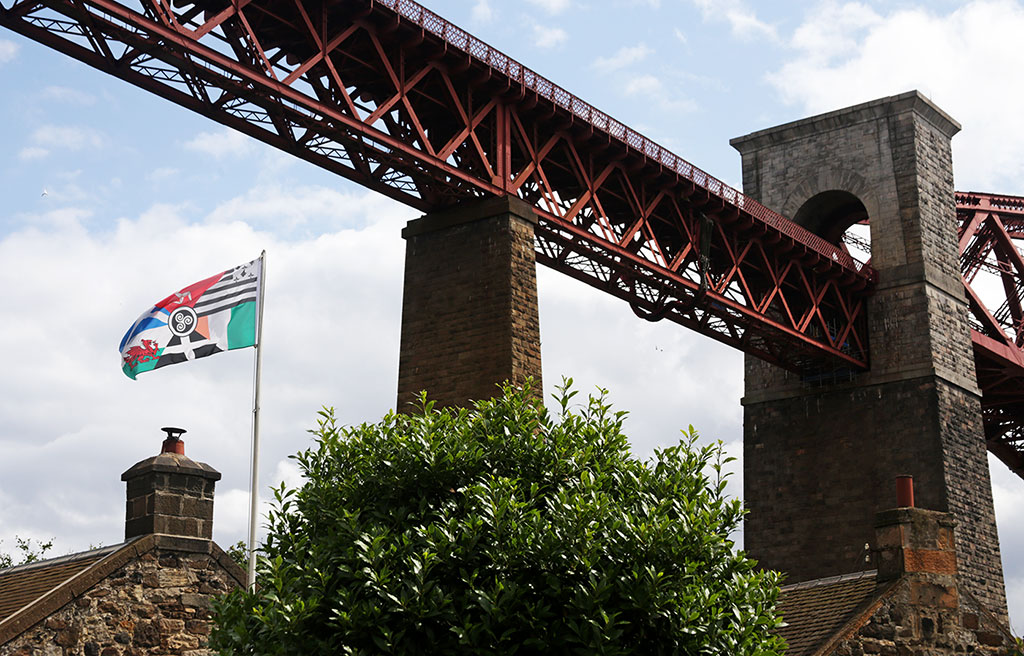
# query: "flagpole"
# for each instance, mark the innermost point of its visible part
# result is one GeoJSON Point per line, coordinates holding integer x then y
{"type": "Point", "coordinates": [255, 471]}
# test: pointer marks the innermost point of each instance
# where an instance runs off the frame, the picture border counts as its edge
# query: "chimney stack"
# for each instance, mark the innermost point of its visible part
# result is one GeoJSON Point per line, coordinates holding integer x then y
{"type": "Point", "coordinates": [170, 493]}
{"type": "Point", "coordinates": [914, 540]}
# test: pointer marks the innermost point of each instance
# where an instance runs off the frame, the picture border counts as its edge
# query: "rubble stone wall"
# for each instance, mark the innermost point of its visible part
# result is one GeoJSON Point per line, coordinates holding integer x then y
{"type": "Point", "coordinates": [157, 603]}
{"type": "Point", "coordinates": [927, 618]}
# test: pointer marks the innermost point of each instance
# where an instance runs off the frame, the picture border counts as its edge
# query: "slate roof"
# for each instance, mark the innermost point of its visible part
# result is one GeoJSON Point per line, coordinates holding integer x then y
{"type": "Point", "coordinates": [30, 593]}
{"type": "Point", "coordinates": [24, 584]}
{"type": "Point", "coordinates": [816, 611]}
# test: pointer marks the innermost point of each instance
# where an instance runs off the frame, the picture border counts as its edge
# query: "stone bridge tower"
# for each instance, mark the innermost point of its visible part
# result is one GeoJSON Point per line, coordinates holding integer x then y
{"type": "Point", "coordinates": [820, 458]}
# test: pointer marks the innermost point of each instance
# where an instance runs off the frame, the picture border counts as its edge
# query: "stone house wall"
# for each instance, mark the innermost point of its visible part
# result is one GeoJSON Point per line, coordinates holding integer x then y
{"type": "Point", "coordinates": [919, 618]}
{"type": "Point", "coordinates": [157, 601]}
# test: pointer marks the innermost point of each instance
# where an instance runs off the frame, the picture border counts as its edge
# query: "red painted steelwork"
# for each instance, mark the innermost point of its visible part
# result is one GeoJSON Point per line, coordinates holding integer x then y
{"type": "Point", "coordinates": [992, 267]}
{"type": "Point", "coordinates": [392, 96]}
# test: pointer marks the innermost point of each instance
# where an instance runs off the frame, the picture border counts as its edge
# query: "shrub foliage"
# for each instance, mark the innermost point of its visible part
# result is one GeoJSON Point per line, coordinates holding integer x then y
{"type": "Point", "coordinates": [502, 530]}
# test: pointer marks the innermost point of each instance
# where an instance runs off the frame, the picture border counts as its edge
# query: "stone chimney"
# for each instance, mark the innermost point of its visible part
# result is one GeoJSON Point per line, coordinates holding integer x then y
{"type": "Point", "coordinates": [918, 544]}
{"type": "Point", "coordinates": [170, 493]}
{"type": "Point", "coordinates": [915, 541]}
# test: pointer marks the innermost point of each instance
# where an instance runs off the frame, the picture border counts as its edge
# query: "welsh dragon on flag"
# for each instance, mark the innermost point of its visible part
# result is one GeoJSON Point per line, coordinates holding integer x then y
{"type": "Point", "coordinates": [213, 315]}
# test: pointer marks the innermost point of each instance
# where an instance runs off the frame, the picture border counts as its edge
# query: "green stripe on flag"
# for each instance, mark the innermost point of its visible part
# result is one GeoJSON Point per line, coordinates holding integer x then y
{"type": "Point", "coordinates": [242, 326]}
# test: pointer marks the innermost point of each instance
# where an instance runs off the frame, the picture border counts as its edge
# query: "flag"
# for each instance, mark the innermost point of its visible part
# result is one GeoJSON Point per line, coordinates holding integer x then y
{"type": "Point", "coordinates": [213, 315]}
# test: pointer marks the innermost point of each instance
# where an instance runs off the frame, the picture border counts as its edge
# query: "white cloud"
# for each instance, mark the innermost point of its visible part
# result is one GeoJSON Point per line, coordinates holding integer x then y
{"type": "Point", "coordinates": [845, 54]}
{"type": "Point", "coordinates": [650, 369]}
{"type": "Point", "coordinates": [50, 137]}
{"type": "Point", "coordinates": [742, 20]}
{"type": "Point", "coordinates": [331, 338]}
{"type": "Point", "coordinates": [300, 212]}
{"type": "Point", "coordinates": [652, 90]}
{"type": "Point", "coordinates": [32, 152]}
{"type": "Point", "coordinates": [1015, 601]}
{"type": "Point", "coordinates": [1008, 495]}
{"type": "Point", "coordinates": [232, 507]}
{"type": "Point", "coordinates": [8, 50]}
{"type": "Point", "coordinates": [482, 12]}
{"type": "Point", "coordinates": [288, 472]}
{"type": "Point", "coordinates": [624, 57]}
{"type": "Point", "coordinates": [834, 30]}
{"type": "Point", "coordinates": [1008, 491]}
{"type": "Point", "coordinates": [644, 84]}
{"type": "Point", "coordinates": [68, 95]}
{"type": "Point", "coordinates": [549, 37]}
{"type": "Point", "coordinates": [162, 173]}
{"type": "Point", "coordinates": [223, 143]}
{"type": "Point", "coordinates": [231, 514]}
{"type": "Point", "coordinates": [552, 6]}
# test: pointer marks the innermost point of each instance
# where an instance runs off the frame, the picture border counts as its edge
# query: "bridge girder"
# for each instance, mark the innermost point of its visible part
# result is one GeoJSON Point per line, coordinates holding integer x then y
{"type": "Point", "coordinates": [988, 226]}
{"type": "Point", "coordinates": [395, 98]}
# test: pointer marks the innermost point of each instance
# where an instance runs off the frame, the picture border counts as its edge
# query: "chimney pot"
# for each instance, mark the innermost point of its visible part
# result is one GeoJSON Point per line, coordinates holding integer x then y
{"type": "Point", "coordinates": [173, 443]}
{"type": "Point", "coordinates": [905, 491]}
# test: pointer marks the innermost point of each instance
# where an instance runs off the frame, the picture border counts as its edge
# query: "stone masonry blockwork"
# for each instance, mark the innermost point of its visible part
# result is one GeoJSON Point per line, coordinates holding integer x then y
{"type": "Point", "coordinates": [170, 494]}
{"type": "Point", "coordinates": [820, 459]}
{"type": "Point", "coordinates": [925, 618]}
{"type": "Point", "coordinates": [469, 309]}
{"type": "Point", "coordinates": [156, 604]}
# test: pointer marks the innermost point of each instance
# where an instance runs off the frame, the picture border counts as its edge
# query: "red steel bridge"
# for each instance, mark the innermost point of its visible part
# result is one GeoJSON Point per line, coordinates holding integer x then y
{"type": "Point", "coordinates": [390, 95]}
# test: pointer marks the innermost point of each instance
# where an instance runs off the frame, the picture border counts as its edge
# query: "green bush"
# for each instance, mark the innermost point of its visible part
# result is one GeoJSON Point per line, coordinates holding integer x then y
{"type": "Point", "coordinates": [502, 530]}
{"type": "Point", "coordinates": [28, 553]}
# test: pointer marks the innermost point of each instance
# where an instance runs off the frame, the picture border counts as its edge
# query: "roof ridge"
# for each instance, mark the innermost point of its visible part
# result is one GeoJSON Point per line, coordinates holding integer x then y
{"type": "Point", "coordinates": [106, 560]}
{"type": "Point", "coordinates": [853, 576]}
{"type": "Point", "coordinates": [68, 558]}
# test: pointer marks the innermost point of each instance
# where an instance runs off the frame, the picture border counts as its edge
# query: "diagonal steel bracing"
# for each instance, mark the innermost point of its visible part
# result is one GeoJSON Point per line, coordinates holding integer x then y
{"type": "Point", "coordinates": [391, 96]}
{"type": "Point", "coordinates": [395, 98]}
{"type": "Point", "coordinates": [993, 272]}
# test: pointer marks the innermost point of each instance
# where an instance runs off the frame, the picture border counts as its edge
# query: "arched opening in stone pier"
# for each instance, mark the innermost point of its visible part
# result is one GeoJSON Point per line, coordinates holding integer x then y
{"type": "Point", "coordinates": [840, 218]}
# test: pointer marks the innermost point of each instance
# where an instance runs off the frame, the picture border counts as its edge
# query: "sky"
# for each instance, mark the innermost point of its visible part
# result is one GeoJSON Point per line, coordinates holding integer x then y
{"type": "Point", "coordinates": [111, 198]}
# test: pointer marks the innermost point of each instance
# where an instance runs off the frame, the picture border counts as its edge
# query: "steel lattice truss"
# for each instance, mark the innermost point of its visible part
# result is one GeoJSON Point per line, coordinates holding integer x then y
{"type": "Point", "coordinates": [992, 267]}
{"type": "Point", "coordinates": [393, 97]}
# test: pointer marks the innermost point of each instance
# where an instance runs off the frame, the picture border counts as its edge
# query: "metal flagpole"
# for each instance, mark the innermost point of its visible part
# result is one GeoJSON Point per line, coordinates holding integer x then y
{"type": "Point", "coordinates": [254, 474]}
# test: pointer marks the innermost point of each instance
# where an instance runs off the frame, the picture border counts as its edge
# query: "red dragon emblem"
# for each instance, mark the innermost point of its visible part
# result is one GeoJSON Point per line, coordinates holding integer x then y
{"type": "Point", "coordinates": [136, 354]}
